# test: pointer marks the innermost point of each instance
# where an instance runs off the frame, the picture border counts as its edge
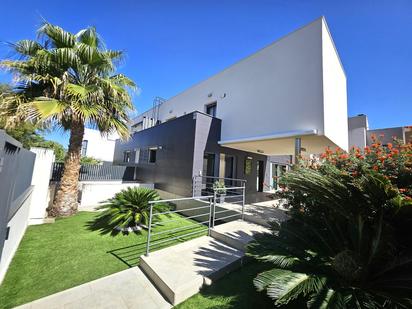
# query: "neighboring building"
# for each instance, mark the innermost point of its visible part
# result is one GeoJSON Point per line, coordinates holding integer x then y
{"type": "Point", "coordinates": [248, 120]}
{"type": "Point", "coordinates": [99, 146]}
{"type": "Point", "coordinates": [360, 135]}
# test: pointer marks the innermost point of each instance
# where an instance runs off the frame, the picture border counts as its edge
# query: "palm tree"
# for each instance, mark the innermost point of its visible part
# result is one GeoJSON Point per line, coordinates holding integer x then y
{"type": "Point", "coordinates": [68, 81]}
{"type": "Point", "coordinates": [128, 211]}
{"type": "Point", "coordinates": [346, 254]}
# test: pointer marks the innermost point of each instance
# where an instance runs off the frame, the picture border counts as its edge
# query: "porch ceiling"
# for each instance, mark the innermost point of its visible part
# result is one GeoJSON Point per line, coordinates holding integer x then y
{"type": "Point", "coordinates": [281, 144]}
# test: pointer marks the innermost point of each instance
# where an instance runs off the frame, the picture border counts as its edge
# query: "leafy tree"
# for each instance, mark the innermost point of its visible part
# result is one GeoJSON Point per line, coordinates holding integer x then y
{"type": "Point", "coordinates": [347, 242]}
{"type": "Point", "coordinates": [27, 133]}
{"type": "Point", "coordinates": [67, 80]}
{"type": "Point", "coordinates": [89, 160]}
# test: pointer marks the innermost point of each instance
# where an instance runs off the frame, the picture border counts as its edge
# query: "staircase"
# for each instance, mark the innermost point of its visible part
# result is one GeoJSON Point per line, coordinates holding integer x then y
{"type": "Point", "coordinates": [180, 271]}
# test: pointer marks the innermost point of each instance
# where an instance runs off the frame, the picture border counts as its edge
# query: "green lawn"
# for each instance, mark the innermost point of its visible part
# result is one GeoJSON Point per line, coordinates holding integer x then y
{"type": "Point", "coordinates": [235, 290]}
{"type": "Point", "coordinates": [55, 257]}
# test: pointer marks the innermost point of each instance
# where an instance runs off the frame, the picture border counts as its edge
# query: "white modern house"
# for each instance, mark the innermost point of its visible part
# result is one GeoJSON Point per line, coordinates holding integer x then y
{"type": "Point", "coordinates": [287, 98]}
{"type": "Point", "coordinates": [295, 87]}
{"type": "Point", "coordinates": [360, 135]}
{"type": "Point", "coordinates": [99, 146]}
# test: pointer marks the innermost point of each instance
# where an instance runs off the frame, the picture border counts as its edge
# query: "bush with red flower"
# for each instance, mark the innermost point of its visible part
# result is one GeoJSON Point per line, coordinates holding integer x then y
{"type": "Point", "coordinates": [347, 243]}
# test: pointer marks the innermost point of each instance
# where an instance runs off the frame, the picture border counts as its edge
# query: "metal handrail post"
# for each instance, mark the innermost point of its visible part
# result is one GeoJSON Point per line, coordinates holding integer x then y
{"type": "Point", "coordinates": [243, 203]}
{"type": "Point", "coordinates": [210, 217]}
{"type": "Point", "coordinates": [214, 208]}
{"type": "Point", "coordinates": [149, 232]}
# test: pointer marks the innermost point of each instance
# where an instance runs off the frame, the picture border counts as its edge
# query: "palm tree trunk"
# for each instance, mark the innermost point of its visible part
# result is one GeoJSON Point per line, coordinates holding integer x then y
{"type": "Point", "coordinates": [65, 201]}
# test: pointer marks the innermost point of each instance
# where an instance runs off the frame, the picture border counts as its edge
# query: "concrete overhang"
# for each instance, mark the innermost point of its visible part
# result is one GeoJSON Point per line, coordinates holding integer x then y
{"type": "Point", "coordinates": [281, 143]}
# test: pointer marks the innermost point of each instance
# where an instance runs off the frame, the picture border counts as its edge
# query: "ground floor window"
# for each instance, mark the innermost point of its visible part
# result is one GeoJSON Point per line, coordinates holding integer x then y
{"type": "Point", "coordinates": [126, 156]}
{"type": "Point", "coordinates": [277, 171]}
{"type": "Point", "coordinates": [152, 155]}
{"type": "Point", "coordinates": [209, 164]}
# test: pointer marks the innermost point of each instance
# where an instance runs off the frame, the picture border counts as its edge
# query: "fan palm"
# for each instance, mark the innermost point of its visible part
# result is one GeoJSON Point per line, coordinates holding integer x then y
{"type": "Point", "coordinates": [68, 80]}
{"type": "Point", "coordinates": [128, 210]}
{"type": "Point", "coordinates": [345, 256]}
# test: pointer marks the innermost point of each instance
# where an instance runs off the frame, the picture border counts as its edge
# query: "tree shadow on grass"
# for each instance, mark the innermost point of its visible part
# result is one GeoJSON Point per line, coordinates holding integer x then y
{"type": "Point", "coordinates": [130, 255]}
{"type": "Point", "coordinates": [102, 223]}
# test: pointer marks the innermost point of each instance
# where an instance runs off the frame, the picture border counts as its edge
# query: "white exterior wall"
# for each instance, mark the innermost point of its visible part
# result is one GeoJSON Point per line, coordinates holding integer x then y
{"type": "Point", "coordinates": [98, 146]}
{"type": "Point", "coordinates": [17, 226]}
{"type": "Point", "coordinates": [95, 192]}
{"type": "Point", "coordinates": [334, 93]}
{"type": "Point", "coordinates": [357, 138]}
{"type": "Point", "coordinates": [278, 89]}
{"type": "Point", "coordinates": [40, 180]}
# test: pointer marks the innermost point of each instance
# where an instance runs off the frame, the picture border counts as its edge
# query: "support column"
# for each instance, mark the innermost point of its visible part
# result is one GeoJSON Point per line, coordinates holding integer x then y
{"type": "Point", "coordinates": [298, 149]}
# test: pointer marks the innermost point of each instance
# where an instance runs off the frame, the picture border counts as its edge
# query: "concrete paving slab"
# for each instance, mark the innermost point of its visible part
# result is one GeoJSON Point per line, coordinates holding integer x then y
{"type": "Point", "coordinates": [262, 213]}
{"type": "Point", "coordinates": [123, 290]}
{"type": "Point", "coordinates": [238, 233]}
{"type": "Point", "coordinates": [180, 271]}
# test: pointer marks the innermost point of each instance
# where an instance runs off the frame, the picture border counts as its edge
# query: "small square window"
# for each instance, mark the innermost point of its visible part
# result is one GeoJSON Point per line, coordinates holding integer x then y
{"type": "Point", "coordinates": [211, 109]}
{"type": "Point", "coordinates": [152, 155]}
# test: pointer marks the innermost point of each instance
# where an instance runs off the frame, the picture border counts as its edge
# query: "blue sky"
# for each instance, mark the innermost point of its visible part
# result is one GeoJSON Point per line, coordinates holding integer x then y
{"type": "Point", "coordinates": [170, 45]}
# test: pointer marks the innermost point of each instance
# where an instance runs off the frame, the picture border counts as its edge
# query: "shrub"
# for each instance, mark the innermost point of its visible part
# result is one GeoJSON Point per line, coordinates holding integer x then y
{"type": "Point", "coordinates": [128, 211]}
{"type": "Point", "coordinates": [347, 243]}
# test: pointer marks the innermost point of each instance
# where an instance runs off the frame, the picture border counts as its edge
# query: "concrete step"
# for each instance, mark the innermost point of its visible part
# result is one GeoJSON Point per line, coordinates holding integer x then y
{"type": "Point", "coordinates": [238, 233]}
{"type": "Point", "coordinates": [181, 270]}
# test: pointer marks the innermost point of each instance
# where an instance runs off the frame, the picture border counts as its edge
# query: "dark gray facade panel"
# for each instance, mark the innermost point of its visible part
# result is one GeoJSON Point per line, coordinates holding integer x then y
{"type": "Point", "coordinates": [181, 145]}
{"type": "Point", "coordinates": [174, 140]}
{"type": "Point", "coordinates": [212, 135]}
{"type": "Point", "coordinates": [16, 170]}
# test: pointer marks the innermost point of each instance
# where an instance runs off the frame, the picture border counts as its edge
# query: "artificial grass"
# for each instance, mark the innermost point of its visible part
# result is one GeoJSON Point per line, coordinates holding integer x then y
{"type": "Point", "coordinates": [235, 290]}
{"type": "Point", "coordinates": [55, 257]}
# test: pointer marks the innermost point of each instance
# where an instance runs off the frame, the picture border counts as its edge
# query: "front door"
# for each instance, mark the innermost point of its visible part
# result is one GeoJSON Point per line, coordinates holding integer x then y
{"type": "Point", "coordinates": [260, 171]}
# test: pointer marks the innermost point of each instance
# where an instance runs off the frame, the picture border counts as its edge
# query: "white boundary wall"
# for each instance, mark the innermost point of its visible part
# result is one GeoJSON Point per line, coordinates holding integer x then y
{"type": "Point", "coordinates": [17, 226]}
{"type": "Point", "coordinates": [41, 178]}
{"type": "Point", "coordinates": [95, 192]}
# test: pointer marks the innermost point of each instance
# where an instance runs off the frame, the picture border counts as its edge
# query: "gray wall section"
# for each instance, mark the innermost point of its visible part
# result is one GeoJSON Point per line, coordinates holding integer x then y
{"type": "Point", "coordinates": [16, 170]}
{"type": "Point", "coordinates": [172, 171]}
{"type": "Point", "coordinates": [183, 142]}
{"type": "Point", "coordinates": [208, 134]}
{"type": "Point", "coordinates": [386, 135]}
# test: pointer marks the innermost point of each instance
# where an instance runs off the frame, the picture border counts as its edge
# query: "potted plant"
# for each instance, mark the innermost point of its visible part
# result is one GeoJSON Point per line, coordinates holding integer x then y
{"type": "Point", "coordinates": [220, 189]}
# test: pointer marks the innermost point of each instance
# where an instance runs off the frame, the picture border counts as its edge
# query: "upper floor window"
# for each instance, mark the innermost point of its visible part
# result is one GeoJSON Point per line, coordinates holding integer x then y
{"type": "Point", "coordinates": [211, 109]}
{"type": "Point", "coordinates": [138, 126]}
{"type": "Point", "coordinates": [84, 148]}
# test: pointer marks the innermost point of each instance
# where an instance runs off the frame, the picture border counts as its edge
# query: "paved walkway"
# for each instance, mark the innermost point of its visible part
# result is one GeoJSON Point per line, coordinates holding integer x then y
{"type": "Point", "coordinates": [128, 289]}
{"type": "Point", "coordinates": [178, 271]}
